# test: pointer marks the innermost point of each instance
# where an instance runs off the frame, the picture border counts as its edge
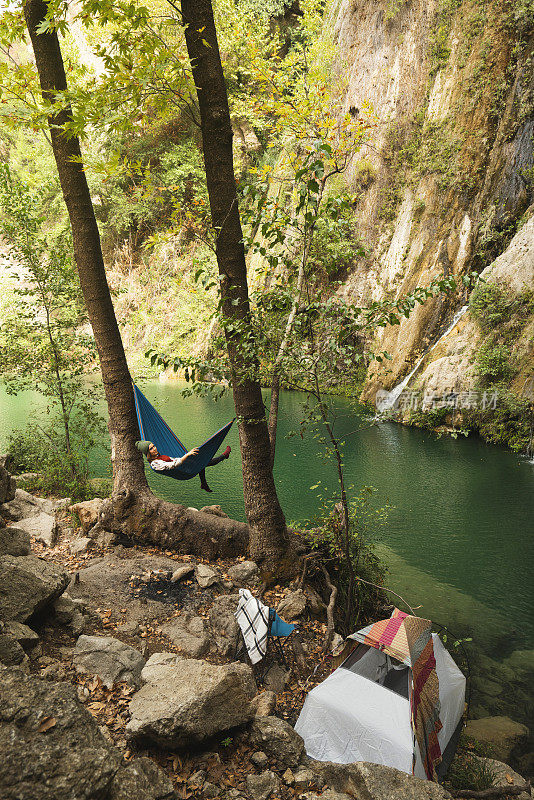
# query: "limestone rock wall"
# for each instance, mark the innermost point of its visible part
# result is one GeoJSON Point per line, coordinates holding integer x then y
{"type": "Point", "coordinates": [447, 178]}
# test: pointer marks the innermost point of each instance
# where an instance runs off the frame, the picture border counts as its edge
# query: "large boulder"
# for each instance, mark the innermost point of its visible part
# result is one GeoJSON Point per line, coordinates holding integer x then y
{"type": "Point", "coordinates": [278, 739]}
{"type": "Point", "coordinates": [188, 633]}
{"type": "Point", "coordinates": [109, 658]}
{"type": "Point", "coordinates": [25, 505]}
{"type": "Point", "coordinates": [8, 484]}
{"type": "Point", "coordinates": [52, 748]}
{"type": "Point", "coordinates": [87, 512]}
{"type": "Point", "coordinates": [223, 624]}
{"type": "Point", "coordinates": [28, 584]}
{"type": "Point", "coordinates": [373, 782]}
{"type": "Point", "coordinates": [505, 737]}
{"type": "Point", "coordinates": [14, 542]}
{"type": "Point", "coordinates": [189, 701]}
{"type": "Point", "coordinates": [42, 527]}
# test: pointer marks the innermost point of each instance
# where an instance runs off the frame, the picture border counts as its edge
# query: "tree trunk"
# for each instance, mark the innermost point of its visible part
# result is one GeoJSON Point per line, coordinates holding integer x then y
{"type": "Point", "coordinates": [268, 532]}
{"type": "Point", "coordinates": [151, 521]}
{"type": "Point", "coordinates": [128, 467]}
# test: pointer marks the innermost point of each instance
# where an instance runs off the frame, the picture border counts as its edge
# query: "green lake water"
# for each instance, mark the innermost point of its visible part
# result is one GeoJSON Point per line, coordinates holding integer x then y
{"type": "Point", "coordinates": [458, 537]}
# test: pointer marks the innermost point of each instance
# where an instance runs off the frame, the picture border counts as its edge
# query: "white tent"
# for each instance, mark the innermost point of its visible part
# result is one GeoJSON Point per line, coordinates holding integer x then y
{"type": "Point", "coordinates": [361, 712]}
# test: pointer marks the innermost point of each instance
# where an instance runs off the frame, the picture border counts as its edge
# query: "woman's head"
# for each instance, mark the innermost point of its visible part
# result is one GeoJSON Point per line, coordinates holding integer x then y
{"type": "Point", "coordinates": [152, 452]}
{"type": "Point", "coordinates": [148, 449]}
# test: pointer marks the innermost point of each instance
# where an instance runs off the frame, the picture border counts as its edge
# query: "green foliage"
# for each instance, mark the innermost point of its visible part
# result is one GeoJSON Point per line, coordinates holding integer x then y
{"type": "Point", "coordinates": [521, 16]}
{"type": "Point", "coordinates": [42, 448]}
{"type": "Point", "coordinates": [492, 362]}
{"type": "Point", "coordinates": [509, 424]}
{"type": "Point", "coordinates": [469, 772]}
{"type": "Point", "coordinates": [392, 8]}
{"type": "Point", "coordinates": [327, 535]}
{"type": "Point", "coordinates": [491, 305]}
{"type": "Point", "coordinates": [430, 419]}
{"type": "Point", "coordinates": [335, 245]}
{"type": "Point", "coordinates": [42, 344]}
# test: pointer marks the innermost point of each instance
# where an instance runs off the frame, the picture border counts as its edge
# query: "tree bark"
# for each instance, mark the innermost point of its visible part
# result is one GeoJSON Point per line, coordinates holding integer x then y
{"type": "Point", "coordinates": [151, 521]}
{"type": "Point", "coordinates": [127, 463]}
{"type": "Point", "coordinates": [268, 532]}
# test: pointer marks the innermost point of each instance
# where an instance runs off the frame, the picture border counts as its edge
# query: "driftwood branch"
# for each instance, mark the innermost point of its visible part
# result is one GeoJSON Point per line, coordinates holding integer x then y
{"type": "Point", "coordinates": [329, 609]}
{"type": "Point", "coordinates": [493, 791]}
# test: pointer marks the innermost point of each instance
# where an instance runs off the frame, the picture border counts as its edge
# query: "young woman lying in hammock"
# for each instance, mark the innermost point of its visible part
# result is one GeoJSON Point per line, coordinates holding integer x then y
{"type": "Point", "coordinates": [161, 463]}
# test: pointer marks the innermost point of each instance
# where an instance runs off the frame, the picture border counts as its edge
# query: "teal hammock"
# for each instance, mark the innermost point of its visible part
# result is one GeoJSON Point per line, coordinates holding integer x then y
{"type": "Point", "coordinates": [153, 428]}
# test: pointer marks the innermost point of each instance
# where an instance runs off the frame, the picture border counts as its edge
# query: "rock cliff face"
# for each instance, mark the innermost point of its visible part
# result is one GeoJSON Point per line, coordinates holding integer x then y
{"type": "Point", "coordinates": [447, 180]}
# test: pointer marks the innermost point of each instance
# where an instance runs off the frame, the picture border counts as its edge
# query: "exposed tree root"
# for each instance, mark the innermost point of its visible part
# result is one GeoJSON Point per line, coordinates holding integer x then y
{"type": "Point", "coordinates": [329, 609]}
{"type": "Point", "coordinates": [146, 519]}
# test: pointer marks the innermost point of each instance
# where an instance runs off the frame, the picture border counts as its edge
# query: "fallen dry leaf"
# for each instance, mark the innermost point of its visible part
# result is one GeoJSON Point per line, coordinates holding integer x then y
{"type": "Point", "coordinates": [46, 724]}
{"type": "Point", "coordinates": [509, 778]}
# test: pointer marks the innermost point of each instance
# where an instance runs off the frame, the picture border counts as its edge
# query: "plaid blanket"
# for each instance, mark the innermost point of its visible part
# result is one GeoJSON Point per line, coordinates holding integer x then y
{"type": "Point", "coordinates": [253, 619]}
{"type": "Point", "coordinates": [409, 639]}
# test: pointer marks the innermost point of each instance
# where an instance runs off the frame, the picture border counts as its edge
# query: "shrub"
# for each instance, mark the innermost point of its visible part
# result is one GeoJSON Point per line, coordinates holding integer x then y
{"type": "Point", "coordinates": [42, 449]}
{"type": "Point", "coordinates": [490, 304]}
{"type": "Point", "coordinates": [508, 424]}
{"type": "Point", "coordinates": [492, 362]}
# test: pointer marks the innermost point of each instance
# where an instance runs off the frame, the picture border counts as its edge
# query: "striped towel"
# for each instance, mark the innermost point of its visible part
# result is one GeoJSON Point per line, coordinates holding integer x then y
{"type": "Point", "coordinates": [253, 619]}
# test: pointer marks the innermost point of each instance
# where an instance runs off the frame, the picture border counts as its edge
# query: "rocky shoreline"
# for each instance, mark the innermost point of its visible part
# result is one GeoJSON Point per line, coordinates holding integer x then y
{"type": "Point", "coordinates": [118, 676]}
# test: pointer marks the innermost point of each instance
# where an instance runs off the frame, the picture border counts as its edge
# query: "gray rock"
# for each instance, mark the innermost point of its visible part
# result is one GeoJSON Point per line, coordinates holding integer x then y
{"type": "Point", "coordinates": [224, 627]}
{"type": "Point", "coordinates": [314, 602]}
{"type": "Point", "coordinates": [278, 739]}
{"type": "Point", "coordinates": [502, 773]}
{"type": "Point", "coordinates": [328, 794]}
{"type": "Point", "coordinates": [262, 786]}
{"type": "Point", "coordinates": [80, 545]}
{"type": "Point", "coordinates": [141, 779]}
{"type": "Point", "coordinates": [263, 704]}
{"type": "Point", "coordinates": [104, 538]}
{"type": "Point", "coordinates": [53, 672]}
{"type": "Point", "coordinates": [68, 614]}
{"type": "Point", "coordinates": [259, 759]}
{"type": "Point", "coordinates": [52, 748]}
{"type": "Point", "coordinates": [198, 778]}
{"type": "Point", "coordinates": [11, 653]}
{"type": "Point", "coordinates": [372, 781]}
{"type": "Point", "coordinates": [64, 609]}
{"type": "Point", "coordinates": [8, 484]}
{"type": "Point", "coordinates": [87, 512]}
{"type": "Point", "coordinates": [505, 736]}
{"type": "Point", "coordinates": [108, 658]}
{"type": "Point", "coordinates": [14, 542]}
{"type": "Point", "coordinates": [188, 633]}
{"type": "Point", "coordinates": [189, 701]}
{"type": "Point", "coordinates": [28, 584]}
{"type": "Point", "coordinates": [182, 571]}
{"type": "Point", "coordinates": [151, 672]}
{"type": "Point", "coordinates": [243, 572]}
{"type": "Point", "coordinates": [21, 633]}
{"type": "Point", "coordinates": [303, 778]}
{"type": "Point", "coordinates": [26, 505]}
{"type": "Point", "coordinates": [276, 678]}
{"type": "Point", "coordinates": [210, 790]}
{"type": "Point", "coordinates": [42, 527]}
{"type": "Point", "coordinates": [206, 576]}
{"type": "Point", "coordinates": [293, 605]}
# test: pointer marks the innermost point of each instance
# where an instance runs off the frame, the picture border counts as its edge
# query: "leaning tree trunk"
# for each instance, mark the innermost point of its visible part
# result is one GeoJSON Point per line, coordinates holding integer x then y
{"type": "Point", "coordinates": [127, 462]}
{"type": "Point", "coordinates": [132, 510]}
{"type": "Point", "coordinates": [268, 532]}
